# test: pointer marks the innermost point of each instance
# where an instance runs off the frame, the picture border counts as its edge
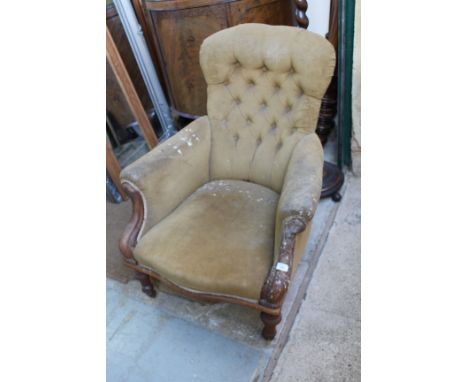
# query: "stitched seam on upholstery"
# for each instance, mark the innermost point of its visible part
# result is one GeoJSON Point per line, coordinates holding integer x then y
{"type": "Point", "coordinates": [271, 167]}
{"type": "Point", "coordinates": [240, 110]}
{"type": "Point", "coordinates": [145, 208]}
{"type": "Point", "coordinates": [251, 162]}
{"type": "Point", "coordinates": [289, 160]}
{"type": "Point", "coordinates": [250, 132]}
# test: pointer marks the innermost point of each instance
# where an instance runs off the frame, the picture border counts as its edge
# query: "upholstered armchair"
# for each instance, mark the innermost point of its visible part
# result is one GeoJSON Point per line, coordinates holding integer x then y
{"type": "Point", "coordinates": [223, 209]}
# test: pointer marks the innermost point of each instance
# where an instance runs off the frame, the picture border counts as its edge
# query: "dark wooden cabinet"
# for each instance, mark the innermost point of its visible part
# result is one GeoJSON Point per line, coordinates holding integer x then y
{"type": "Point", "coordinates": [176, 29]}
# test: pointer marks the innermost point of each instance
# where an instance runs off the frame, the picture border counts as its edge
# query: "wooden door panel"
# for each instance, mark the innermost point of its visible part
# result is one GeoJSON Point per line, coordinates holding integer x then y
{"type": "Point", "coordinates": [178, 27]}
{"type": "Point", "coordinates": [182, 33]}
{"type": "Point", "coordinates": [276, 12]}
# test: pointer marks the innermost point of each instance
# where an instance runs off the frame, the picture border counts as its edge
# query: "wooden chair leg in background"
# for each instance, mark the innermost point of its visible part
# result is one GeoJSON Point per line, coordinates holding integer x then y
{"type": "Point", "coordinates": [146, 284]}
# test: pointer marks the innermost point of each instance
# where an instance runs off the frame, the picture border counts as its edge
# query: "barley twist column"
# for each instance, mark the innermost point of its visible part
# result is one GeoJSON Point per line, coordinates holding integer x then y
{"type": "Point", "coordinates": [301, 17]}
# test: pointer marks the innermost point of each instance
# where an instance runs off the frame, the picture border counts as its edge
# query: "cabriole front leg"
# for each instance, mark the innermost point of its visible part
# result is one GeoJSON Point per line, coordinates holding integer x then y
{"type": "Point", "coordinates": [277, 283]}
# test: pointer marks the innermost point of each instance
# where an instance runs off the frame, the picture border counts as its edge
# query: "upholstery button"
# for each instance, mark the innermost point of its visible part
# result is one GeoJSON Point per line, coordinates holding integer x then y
{"type": "Point", "coordinates": [273, 125]}
{"type": "Point", "coordinates": [259, 141]}
{"type": "Point", "coordinates": [279, 145]}
{"type": "Point", "coordinates": [236, 138]}
{"type": "Point", "coordinates": [251, 82]}
{"type": "Point", "coordinates": [264, 68]}
{"type": "Point", "coordinates": [288, 108]}
{"type": "Point", "coordinates": [276, 86]}
{"type": "Point", "coordinates": [237, 100]}
{"type": "Point", "coordinates": [248, 119]}
{"type": "Point", "coordinates": [263, 104]}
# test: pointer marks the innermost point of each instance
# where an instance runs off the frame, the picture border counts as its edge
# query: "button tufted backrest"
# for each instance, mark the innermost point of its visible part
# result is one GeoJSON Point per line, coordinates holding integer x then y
{"type": "Point", "coordinates": [265, 85]}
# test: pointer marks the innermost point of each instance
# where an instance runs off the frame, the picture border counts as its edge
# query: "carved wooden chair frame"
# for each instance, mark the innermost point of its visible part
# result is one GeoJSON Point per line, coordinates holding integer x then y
{"type": "Point", "coordinates": [274, 288]}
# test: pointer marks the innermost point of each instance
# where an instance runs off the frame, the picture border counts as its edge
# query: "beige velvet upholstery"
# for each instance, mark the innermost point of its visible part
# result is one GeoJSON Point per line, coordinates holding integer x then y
{"type": "Point", "coordinates": [265, 86]}
{"type": "Point", "coordinates": [302, 185]}
{"type": "Point", "coordinates": [172, 171]}
{"type": "Point", "coordinates": [218, 240]}
{"type": "Point", "coordinates": [217, 192]}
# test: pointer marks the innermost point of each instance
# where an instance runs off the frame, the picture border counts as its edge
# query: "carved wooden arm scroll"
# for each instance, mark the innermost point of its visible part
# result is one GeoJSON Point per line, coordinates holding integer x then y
{"type": "Point", "coordinates": [277, 282]}
{"type": "Point", "coordinates": [129, 238]}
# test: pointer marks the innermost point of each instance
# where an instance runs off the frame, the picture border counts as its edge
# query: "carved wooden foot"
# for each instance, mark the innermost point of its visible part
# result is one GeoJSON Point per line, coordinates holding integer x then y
{"type": "Point", "coordinates": [146, 284]}
{"type": "Point", "coordinates": [270, 322]}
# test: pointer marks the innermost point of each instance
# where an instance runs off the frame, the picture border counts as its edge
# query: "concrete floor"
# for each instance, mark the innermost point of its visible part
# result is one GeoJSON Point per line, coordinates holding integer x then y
{"type": "Point", "coordinates": [325, 341]}
{"type": "Point", "coordinates": [172, 339]}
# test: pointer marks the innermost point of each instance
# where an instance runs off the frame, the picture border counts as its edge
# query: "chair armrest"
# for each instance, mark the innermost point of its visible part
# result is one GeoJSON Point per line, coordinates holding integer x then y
{"type": "Point", "coordinates": [298, 200]}
{"type": "Point", "coordinates": [303, 180]}
{"type": "Point", "coordinates": [277, 283]}
{"type": "Point", "coordinates": [170, 172]}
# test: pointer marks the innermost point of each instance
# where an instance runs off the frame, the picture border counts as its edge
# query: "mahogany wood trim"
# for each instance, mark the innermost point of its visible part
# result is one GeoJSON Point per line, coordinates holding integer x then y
{"type": "Point", "coordinates": [129, 237]}
{"type": "Point", "coordinates": [204, 296]}
{"type": "Point", "coordinates": [129, 91]}
{"type": "Point", "coordinates": [277, 283]}
{"type": "Point", "coordinates": [113, 168]}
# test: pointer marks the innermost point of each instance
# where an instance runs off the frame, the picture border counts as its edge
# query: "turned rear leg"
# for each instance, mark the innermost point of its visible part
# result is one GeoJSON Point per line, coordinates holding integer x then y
{"type": "Point", "coordinates": [269, 321]}
{"type": "Point", "coordinates": [146, 284]}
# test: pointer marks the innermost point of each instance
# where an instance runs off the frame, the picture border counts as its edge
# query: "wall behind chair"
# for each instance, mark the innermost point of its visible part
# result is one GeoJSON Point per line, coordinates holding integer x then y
{"type": "Point", "coordinates": [318, 13]}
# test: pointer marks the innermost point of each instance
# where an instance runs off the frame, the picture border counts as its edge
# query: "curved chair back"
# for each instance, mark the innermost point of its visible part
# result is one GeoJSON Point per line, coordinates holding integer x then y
{"type": "Point", "coordinates": [265, 85]}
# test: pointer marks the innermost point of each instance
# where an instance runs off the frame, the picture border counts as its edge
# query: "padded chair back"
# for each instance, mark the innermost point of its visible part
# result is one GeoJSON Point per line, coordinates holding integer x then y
{"type": "Point", "coordinates": [265, 85]}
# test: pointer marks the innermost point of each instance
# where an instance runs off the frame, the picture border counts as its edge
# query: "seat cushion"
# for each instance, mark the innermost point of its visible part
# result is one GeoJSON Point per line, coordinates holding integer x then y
{"type": "Point", "coordinates": [219, 240]}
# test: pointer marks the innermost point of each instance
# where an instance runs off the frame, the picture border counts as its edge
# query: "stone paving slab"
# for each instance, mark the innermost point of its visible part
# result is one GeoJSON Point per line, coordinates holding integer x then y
{"type": "Point", "coordinates": [147, 337]}
{"type": "Point", "coordinates": [147, 344]}
{"type": "Point", "coordinates": [324, 343]}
